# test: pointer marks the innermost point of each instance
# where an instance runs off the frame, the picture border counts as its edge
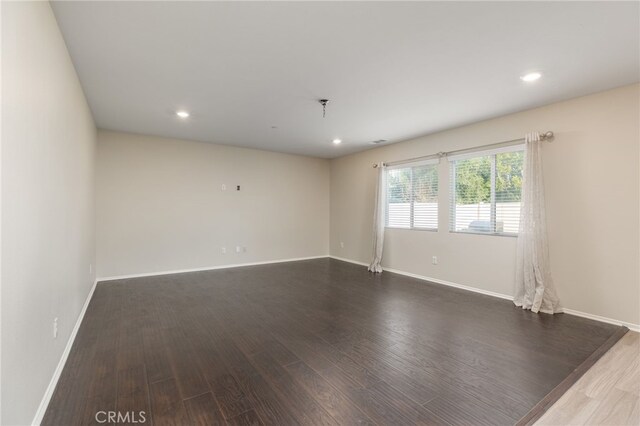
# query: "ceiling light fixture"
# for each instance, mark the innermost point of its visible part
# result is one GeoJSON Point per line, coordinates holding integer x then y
{"type": "Point", "coordinates": [182, 114]}
{"type": "Point", "coordinates": [532, 76]}
{"type": "Point", "coordinates": [324, 103]}
{"type": "Point", "coordinates": [337, 141]}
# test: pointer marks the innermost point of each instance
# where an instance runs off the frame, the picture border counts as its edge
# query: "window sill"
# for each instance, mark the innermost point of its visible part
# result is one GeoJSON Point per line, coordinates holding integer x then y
{"type": "Point", "coordinates": [411, 229]}
{"type": "Point", "coordinates": [489, 234]}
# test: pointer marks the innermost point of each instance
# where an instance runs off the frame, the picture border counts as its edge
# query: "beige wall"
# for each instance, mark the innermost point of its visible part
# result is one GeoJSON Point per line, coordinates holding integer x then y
{"type": "Point", "coordinates": [48, 147]}
{"type": "Point", "coordinates": [160, 206]}
{"type": "Point", "coordinates": [591, 174]}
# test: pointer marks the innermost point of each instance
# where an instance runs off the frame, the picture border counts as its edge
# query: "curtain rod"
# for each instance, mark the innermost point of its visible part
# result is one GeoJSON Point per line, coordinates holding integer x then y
{"type": "Point", "coordinates": [545, 136]}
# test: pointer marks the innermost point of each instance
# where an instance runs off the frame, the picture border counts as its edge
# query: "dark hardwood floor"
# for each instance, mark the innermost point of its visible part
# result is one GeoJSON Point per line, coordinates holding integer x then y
{"type": "Point", "coordinates": [312, 342]}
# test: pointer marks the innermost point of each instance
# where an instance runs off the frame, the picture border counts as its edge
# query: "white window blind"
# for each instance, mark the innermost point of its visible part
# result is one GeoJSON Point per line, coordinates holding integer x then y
{"type": "Point", "coordinates": [412, 196]}
{"type": "Point", "coordinates": [486, 190]}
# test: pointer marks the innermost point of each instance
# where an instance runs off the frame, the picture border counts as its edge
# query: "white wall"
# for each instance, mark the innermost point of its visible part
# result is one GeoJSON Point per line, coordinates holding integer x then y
{"type": "Point", "coordinates": [160, 206]}
{"type": "Point", "coordinates": [48, 147]}
{"type": "Point", "coordinates": [592, 179]}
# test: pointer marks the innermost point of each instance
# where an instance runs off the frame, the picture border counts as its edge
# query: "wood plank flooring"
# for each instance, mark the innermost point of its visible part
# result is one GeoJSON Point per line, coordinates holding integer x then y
{"type": "Point", "coordinates": [608, 394]}
{"type": "Point", "coordinates": [312, 342]}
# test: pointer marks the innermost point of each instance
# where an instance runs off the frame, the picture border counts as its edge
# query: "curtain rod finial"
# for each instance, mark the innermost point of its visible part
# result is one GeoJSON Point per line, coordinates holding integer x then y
{"type": "Point", "coordinates": [547, 135]}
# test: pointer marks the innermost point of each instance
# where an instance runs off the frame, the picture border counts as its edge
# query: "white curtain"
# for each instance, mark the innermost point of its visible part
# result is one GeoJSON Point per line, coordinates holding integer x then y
{"type": "Point", "coordinates": [379, 219]}
{"type": "Point", "coordinates": [534, 286]}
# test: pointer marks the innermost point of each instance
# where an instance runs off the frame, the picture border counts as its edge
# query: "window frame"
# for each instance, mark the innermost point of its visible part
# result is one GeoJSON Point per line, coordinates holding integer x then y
{"type": "Point", "coordinates": [492, 153]}
{"type": "Point", "coordinates": [411, 165]}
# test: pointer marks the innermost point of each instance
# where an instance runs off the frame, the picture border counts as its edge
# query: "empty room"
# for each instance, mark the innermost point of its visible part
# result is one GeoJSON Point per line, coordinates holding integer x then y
{"type": "Point", "coordinates": [320, 213]}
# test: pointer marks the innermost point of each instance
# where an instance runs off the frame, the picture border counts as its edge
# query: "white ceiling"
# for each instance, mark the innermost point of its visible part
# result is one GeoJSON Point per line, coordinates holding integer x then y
{"type": "Point", "coordinates": [392, 70]}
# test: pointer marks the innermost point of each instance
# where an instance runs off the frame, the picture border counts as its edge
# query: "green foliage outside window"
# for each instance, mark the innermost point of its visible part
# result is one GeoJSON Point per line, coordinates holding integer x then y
{"type": "Point", "coordinates": [509, 176]}
{"type": "Point", "coordinates": [473, 181]}
{"type": "Point", "coordinates": [473, 178]}
{"type": "Point", "coordinates": [399, 185]}
{"type": "Point", "coordinates": [425, 182]}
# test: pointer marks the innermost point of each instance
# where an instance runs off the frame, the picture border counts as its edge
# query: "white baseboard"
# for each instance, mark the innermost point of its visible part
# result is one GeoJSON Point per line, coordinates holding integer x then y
{"type": "Point", "coordinates": [451, 284]}
{"type": "Point", "coordinates": [63, 360]}
{"type": "Point", "coordinates": [350, 261]}
{"type": "Point", "coordinates": [209, 268]}
{"type": "Point", "coordinates": [433, 280]}
{"type": "Point", "coordinates": [629, 325]}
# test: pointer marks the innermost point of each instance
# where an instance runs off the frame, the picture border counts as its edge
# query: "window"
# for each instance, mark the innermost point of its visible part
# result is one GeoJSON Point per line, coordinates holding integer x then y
{"type": "Point", "coordinates": [485, 191]}
{"type": "Point", "coordinates": [412, 196]}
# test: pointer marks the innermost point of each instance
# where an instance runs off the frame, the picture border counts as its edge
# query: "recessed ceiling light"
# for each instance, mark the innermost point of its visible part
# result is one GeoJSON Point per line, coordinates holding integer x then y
{"type": "Point", "coordinates": [182, 114]}
{"type": "Point", "coordinates": [337, 141]}
{"type": "Point", "coordinates": [532, 76]}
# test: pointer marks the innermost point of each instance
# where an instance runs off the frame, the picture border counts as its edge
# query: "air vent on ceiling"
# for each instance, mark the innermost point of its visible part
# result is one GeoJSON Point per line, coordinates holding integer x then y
{"type": "Point", "coordinates": [379, 141]}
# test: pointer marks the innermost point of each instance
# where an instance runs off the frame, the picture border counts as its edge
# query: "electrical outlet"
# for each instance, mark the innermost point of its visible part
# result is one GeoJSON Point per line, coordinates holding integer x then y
{"type": "Point", "coordinates": [238, 249]}
{"type": "Point", "coordinates": [55, 328]}
{"type": "Point", "coordinates": [341, 244]}
{"type": "Point", "coordinates": [223, 187]}
{"type": "Point", "coordinates": [434, 260]}
{"type": "Point", "coordinates": [90, 268]}
{"type": "Point", "coordinates": [224, 250]}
